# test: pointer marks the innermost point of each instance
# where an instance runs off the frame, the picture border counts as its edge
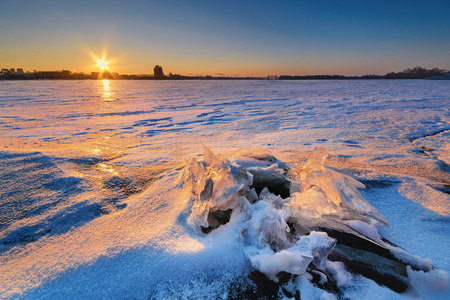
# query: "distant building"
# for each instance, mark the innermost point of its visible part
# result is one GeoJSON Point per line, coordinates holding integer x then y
{"type": "Point", "coordinates": [104, 75]}
{"type": "Point", "coordinates": [19, 71]}
{"type": "Point", "coordinates": [158, 71]}
{"type": "Point", "coordinates": [175, 76]}
{"type": "Point", "coordinates": [12, 71]}
{"type": "Point", "coordinates": [64, 74]}
{"type": "Point", "coordinates": [96, 75]}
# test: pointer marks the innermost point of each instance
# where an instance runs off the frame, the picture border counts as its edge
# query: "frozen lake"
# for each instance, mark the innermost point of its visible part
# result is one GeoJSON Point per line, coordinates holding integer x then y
{"type": "Point", "coordinates": [93, 203]}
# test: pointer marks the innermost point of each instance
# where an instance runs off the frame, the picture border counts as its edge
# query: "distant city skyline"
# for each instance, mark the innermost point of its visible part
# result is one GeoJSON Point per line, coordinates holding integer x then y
{"type": "Point", "coordinates": [241, 38]}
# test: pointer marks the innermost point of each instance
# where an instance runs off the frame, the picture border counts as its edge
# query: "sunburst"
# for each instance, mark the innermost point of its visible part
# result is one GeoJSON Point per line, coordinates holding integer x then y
{"type": "Point", "coordinates": [101, 61]}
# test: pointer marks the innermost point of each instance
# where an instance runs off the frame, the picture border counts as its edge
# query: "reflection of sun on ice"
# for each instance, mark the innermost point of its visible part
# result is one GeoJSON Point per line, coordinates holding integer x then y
{"type": "Point", "coordinates": [106, 90]}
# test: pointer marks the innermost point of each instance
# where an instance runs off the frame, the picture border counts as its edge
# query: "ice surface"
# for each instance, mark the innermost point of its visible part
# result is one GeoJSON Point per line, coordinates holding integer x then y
{"type": "Point", "coordinates": [94, 204]}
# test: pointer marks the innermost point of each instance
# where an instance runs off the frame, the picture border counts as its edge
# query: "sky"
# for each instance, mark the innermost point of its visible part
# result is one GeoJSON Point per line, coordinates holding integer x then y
{"type": "Point", "coordinates": [234, 38]}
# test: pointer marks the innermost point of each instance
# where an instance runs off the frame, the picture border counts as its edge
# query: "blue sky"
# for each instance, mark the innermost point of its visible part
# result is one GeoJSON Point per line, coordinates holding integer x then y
{"type": "Point", "coordinates": [229, 37]}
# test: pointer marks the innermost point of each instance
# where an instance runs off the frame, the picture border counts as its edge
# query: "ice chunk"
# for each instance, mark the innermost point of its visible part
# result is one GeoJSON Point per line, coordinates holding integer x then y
{"type": "Point", "coordinates": [216, 186]}
{"type": "Point", "coordinates": [368, 230]}
{"type": "Point", "coordinates": [253, 157]}
{"type": "Point", "coordinates": [272, 264]}
{"type": "Point", "coordinates": [326, 192]}
{"type": "Point", "coordinates": [278, 211]}
{"type": "Point", "coordinates": [268, 226]}
{"type": "Point", "coordinates": [295, 260]}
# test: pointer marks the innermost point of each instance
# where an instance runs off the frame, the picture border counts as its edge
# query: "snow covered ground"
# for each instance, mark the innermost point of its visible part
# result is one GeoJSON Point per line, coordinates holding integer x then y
{"type": "Point", "coordinates": [95, 201]}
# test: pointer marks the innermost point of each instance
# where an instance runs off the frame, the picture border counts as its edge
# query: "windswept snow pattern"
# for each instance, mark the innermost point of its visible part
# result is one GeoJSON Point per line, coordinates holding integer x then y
{"type": "Point", "coordinates": [105, 193]}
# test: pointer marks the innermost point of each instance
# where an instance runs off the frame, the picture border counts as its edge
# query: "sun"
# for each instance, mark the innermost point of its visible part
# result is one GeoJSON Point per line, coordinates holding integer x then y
{"type": "Point", "coordinates": [102, 64]}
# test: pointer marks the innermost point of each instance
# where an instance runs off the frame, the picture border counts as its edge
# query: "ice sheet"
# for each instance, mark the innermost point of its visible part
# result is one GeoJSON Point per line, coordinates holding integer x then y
{"type": "Point", "coordinates": [89, 174]}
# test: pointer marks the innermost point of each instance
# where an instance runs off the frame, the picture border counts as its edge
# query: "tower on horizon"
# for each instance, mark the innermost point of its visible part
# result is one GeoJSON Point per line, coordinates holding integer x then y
{"type": "Point", "coordinates": [158, 71]}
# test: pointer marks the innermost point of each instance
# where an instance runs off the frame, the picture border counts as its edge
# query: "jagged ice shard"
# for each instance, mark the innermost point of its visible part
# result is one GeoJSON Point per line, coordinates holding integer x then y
{"type": "Point", "coordinates": [299, 218]}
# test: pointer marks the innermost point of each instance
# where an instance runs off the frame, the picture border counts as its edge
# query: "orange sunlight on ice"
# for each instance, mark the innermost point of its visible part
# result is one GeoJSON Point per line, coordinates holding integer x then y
{"type": "Point", "coordinates": [49, 257]}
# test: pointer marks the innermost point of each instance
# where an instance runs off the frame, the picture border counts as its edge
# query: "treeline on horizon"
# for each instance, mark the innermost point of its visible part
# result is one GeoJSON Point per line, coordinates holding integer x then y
{"type": "Point", "coordinates": [414, 73]}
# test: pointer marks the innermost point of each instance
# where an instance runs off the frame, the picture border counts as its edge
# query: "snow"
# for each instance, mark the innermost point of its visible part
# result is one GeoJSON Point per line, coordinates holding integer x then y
{"type": "Point", "coordinates": [96, 202]}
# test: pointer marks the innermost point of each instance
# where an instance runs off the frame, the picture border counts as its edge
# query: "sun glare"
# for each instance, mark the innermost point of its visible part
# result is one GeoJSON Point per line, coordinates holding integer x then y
{"type": "Point", "coordinates": [100, 61]}
{"type": "Point", "coordinates": [102, 64]}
